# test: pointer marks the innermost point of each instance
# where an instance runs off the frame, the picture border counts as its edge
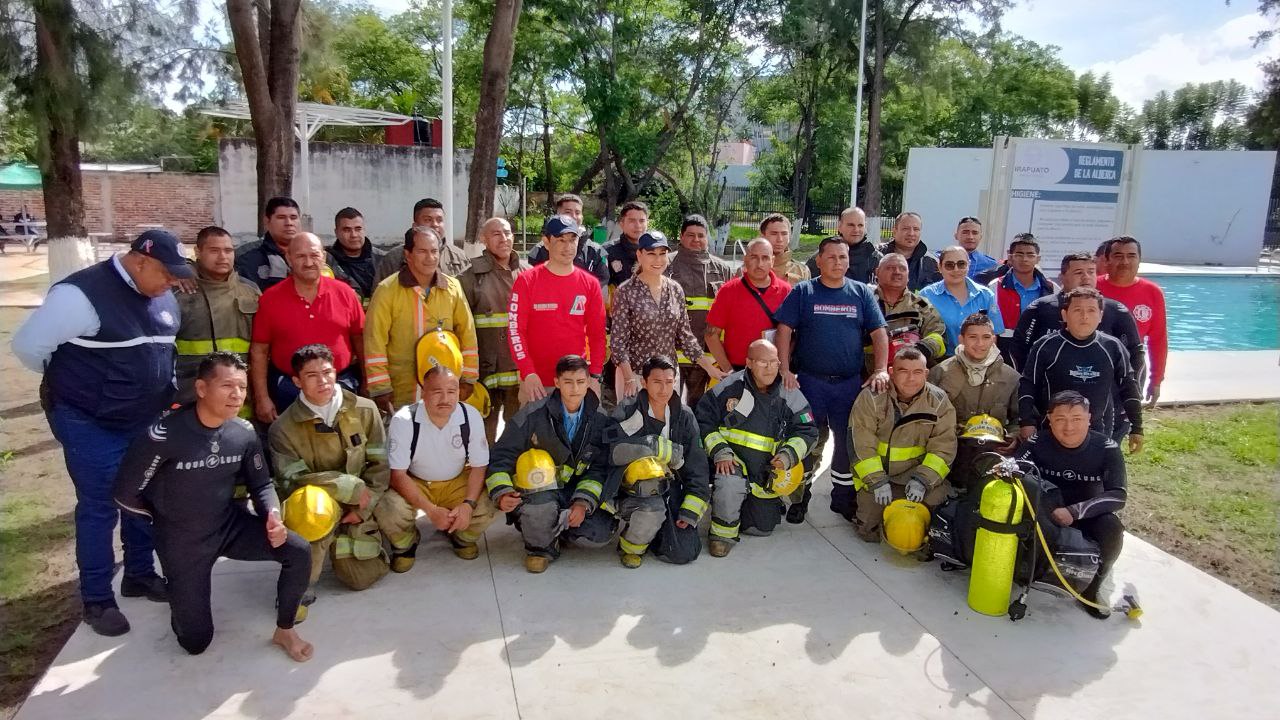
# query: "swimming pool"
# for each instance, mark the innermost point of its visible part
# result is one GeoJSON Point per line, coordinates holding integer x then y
{"type": "Point", "coordinates": [1222, 312]}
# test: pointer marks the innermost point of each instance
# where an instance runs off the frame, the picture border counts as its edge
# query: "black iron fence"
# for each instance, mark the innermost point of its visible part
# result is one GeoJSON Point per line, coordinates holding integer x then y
{"type": "Point", "coordinates": [751, 205]}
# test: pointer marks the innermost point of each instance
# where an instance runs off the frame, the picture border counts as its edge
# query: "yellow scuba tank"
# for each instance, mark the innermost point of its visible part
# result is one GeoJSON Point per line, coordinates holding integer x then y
{"type": "Point", "coordinates": [995, 549]}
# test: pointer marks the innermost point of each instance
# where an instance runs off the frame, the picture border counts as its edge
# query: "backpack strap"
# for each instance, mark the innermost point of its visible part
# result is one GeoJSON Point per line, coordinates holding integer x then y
{"type": "Point", "coordinates": [465, 429]}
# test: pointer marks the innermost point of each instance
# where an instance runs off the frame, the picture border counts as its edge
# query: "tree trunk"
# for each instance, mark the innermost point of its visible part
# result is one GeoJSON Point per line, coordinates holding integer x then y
{"type": "Point", "coordinates": [57, 110]}
{"type": "Point", "coordinates": [268, 59]}
{"type": "Point", "coordinates": [549, 179]}
{"type": "Point", "coordinates": [871, 196]}
{"type": "Point", "coordinates": [495, 78]}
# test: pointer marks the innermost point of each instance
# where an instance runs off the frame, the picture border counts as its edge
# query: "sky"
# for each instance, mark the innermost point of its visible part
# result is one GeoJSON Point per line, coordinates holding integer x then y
{"type": "Point", "coordinates": [1146, 45]}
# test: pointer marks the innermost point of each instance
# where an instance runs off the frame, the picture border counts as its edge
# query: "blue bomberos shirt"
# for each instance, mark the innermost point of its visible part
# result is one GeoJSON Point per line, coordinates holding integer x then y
{"type": "Point", "coordinates": [829, 324]}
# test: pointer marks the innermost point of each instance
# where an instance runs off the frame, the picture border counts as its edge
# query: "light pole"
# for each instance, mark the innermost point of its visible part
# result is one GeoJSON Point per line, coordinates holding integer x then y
{"type": "Point", "coordinates": [857, 123]}
{"type": "Point", "coordinates": [446, 118]}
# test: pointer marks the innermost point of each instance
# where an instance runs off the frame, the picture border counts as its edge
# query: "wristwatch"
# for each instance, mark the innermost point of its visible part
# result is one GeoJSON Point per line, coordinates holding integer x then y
{"type": "Point", "coordinates": [472, 503]}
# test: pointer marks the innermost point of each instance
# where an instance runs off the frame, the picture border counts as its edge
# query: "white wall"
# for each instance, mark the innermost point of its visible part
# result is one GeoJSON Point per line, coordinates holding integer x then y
{"type": "Point", "coordinates": [1187, 207]}
{"type": "Point", "coordinates": [1201, 208]}
{"type": "Point", "coordinates": [381, 181]}
{"type": "Point", "coordinates": [944, 185]}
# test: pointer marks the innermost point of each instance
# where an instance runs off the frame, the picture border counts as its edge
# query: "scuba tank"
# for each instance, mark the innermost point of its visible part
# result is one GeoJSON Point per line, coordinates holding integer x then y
{"type": "Point", "coordinates": [995, 550]}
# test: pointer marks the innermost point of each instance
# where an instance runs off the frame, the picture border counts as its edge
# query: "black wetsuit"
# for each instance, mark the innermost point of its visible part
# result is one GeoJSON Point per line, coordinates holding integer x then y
{"type": "Point", "coordinates": [1044, 315]}
{"type": "Point", "coordinates": [1096, 367]}
{"type": "Point", "coordinates": [1089, 481]}
{"type": "Point", "coordinates": [182, 475]}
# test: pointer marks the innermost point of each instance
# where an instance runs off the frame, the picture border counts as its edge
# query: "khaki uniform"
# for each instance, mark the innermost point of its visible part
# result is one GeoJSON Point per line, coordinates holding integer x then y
{"type": "Point", "coordinates": [452, 261]}
{"type": "Point", "coordinates": [345, 460]}
{"type": "Point", "coordinates": [910, 314]}
{"type": "Point", "coordinates": [700, 275]}
{"type": "Point", "coordinates": [487, 287]}
{"type": "Point", "coordinates": [790, 269]}
{"type": "Point", "coordinates": [218, 316]}
{"type": "Point", "coordinates": [400, 313]}
{"type": "Point", "coordinates": [996, 396]}
{"type": "Point", "coordinates": [448, 494]}
{"type": "Point", "coordinates": [894, 441]}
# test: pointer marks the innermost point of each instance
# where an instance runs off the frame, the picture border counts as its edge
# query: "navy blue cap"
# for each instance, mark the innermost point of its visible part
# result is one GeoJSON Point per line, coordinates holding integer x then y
{"type": "Point", "coordinates": [163, 246]}
{"type": "Point", "coordinates": [558, 225]}
{"type": "Point", "coordinates": [653, 240]}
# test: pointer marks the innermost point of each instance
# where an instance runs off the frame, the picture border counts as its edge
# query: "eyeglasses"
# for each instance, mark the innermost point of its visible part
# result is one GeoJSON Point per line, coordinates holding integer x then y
{"type": "Point", "coordinates": [955, 264]}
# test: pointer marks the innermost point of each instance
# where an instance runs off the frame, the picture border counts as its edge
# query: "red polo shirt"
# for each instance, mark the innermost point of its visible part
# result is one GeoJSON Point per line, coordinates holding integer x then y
{"type": "Point", "coordinates": [740, 316]}
{"type": "Point", "coordinates": [286, 322]}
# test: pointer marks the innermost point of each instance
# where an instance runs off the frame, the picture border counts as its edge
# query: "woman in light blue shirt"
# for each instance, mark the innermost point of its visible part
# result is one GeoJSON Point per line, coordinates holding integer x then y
{"type": "Point", "coordinates": [956, 297]}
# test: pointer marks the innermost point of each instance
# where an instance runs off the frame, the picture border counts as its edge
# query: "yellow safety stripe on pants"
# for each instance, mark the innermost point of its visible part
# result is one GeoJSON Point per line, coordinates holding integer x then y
{"type": "Point", "coordinates": [204, 347]}
{"type": "Point", "coordinates": [936, 464]}
{"type": "Point", "coordinates": [502, 380]}
{"type": "Point", "coordinates": [590, 487]}
{"type": "Point", "coordinates": [698, 303]}
{"type": "Point", "coordinates": [898, 454]}
{"type": "Point", "coordinates": [798, 445]}
{"type": "Point", "coordinates": [684, 359]}
{"type": "Point", "coordinates": [760, 492]}
{"type": "Point", "coordinates": [868, 467]}
{"type": "Point", "coordinates": [402, 541]}
{"type": "Point", "coordinates": [749, 440]}
{"type": "Point", "coordinates": [491, 320]}
{"type": "Point", "coordinates": [498, 480]}
{"type": "Point", "coordinates": [360, 548]}
{"type": "Point", "coordinates": [694, 504]}
{"type": "Point", "coordinates": [632, 548]}
{"type": "Point", "coordinates": [723, 530]}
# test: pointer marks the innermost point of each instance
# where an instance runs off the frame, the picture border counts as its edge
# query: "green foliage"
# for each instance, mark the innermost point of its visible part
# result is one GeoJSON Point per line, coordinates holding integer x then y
{"type": "Point", "coordinates": [147, 134]}
{"type": "Point", "coordinates": [1196, 116]}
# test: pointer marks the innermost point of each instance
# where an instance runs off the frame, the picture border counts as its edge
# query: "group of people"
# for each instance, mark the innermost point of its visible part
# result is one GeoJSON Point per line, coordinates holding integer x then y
{"type": "Point", "coordinates": [300, 403]}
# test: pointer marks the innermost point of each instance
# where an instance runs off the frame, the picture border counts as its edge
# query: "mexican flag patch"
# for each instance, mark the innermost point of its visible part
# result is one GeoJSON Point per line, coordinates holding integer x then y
{"type": "Point", "coordinates": [806, 417]}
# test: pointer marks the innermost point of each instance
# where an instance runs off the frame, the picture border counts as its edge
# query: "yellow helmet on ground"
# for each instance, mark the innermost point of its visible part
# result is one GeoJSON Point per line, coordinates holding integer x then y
{"type": "Point", "coordinates": [479, 399]}
{"type": "Point", "coordinates": [535, 470]}
{"type": "Point", "coordinates": [983, 428]}
{"type": "Point", "coordinates": [438, 348]}
{"type": "Point", "coordinates": [905, 526]}
{"type": "Point", "coordinates": [786, 481]}
{"type": "Point", "coordinates": [646, 468]}
{"type": "Point", "coordinates": [311, 512]}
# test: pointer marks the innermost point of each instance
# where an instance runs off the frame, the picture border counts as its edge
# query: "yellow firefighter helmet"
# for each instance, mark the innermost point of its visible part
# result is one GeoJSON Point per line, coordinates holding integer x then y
{"type": "Point", "coordinates": [905, 526]}
{"type": "Point", "coordinates": [479, 399]}
{"type": "Point", "coordinates": [983, 428]}
{"type": "Point", "coordinates": [535, 470]}
{"type": "Point", "coordinates": [439, 348]}
{"type": "Point", "coordinates": [311, 512]}
{"type": "Point", "coordinates": [786, 481]}
{"type": "Point", "coordinates": [646, 468]}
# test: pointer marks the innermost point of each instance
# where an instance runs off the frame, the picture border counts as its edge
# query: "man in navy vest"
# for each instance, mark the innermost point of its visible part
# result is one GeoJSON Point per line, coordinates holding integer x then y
{"type": "Point", "coordinates": [104, 339]}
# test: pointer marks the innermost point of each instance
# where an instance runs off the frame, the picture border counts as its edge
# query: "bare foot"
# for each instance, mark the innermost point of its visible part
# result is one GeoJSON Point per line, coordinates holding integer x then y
{"type": "Point", "coordinates": [297, 648]}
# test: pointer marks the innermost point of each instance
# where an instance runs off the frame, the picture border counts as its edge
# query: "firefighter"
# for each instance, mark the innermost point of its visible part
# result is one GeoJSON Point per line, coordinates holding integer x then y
{"type": "Point", "coordinates": [332, 438]}
{"type": "Point", "coordinates": [752, 426]}
{"type": "Point", "coordinates": [218, 315]}
{"type": "Point", "coordinates": [417, 299]}
{"type": "Point", "coordinates": [904, 441]}
{"type": "Point", "coordinates": [487, 286]}
{"type": "Point", "coordinates": [664, 488]}
{"type": "Point", "coordinates": [910, 319]}
{"type": "Point", "coordinates": [550, 468]}
{"type": "Point", "coordinates": [701, 275]}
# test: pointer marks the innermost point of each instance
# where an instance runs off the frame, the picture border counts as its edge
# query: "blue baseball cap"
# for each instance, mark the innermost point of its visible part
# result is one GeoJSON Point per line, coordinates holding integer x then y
{"type": "Point", "coordinates": [558, 225]}
{"type": "Point", "coordinates": [653, 239]}
{"type": "Point", "coordinates": [163, 246]}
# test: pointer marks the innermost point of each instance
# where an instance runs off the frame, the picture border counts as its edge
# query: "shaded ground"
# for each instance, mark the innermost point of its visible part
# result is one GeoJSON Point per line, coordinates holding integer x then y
{"type": "Point", "coordinates": [1204, 490]}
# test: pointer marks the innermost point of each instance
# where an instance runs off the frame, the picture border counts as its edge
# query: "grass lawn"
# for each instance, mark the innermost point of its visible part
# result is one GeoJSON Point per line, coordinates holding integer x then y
{"type": "Point", "coordinates": [1204, 489]}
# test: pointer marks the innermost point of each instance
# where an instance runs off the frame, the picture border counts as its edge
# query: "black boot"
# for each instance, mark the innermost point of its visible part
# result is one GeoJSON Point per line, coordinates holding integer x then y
{"type": "Point", "coordinates": [106, 619]}
{"type": "Point", "coordinates": [797, 511]}
{"type": "Point", "coordinates": [152, 587]}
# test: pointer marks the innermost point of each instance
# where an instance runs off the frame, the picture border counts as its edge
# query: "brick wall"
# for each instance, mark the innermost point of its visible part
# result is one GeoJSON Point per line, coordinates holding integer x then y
{"type": "Point", "coordinates": [118, 202]}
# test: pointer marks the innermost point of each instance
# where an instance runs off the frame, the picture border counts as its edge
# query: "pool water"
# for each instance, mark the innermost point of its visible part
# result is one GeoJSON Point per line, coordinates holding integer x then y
{"type": "Point", "coordinates": [1222, 312]}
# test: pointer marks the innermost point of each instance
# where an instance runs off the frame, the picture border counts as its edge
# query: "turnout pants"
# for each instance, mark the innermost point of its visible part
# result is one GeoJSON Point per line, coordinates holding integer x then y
{"type": "Point", "coordinates": [398, 519]}
{"type": "Point", "coordinates": [93, 456]}
{"type": "Point", "coordinates": [538, 519]}
{"type": "Point", "coordinates": [506, 400]}
{"type": "Point", "coordinates": [735, 509]}
{"type": "Point", "coordinates": [870, 514]}
{"type": "Point", "coordinates": [831, 399]}
{"type": "Point", "coordinates": [674, 544]}
{"type": "Point", "coordinates": [640, 519]}
{"type": "Point", "coordinates": [188, 562]}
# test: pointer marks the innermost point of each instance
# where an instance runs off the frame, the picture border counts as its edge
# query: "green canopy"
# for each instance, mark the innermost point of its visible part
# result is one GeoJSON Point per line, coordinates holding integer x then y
{"type": "Point", "coordinates": [20, 177]}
